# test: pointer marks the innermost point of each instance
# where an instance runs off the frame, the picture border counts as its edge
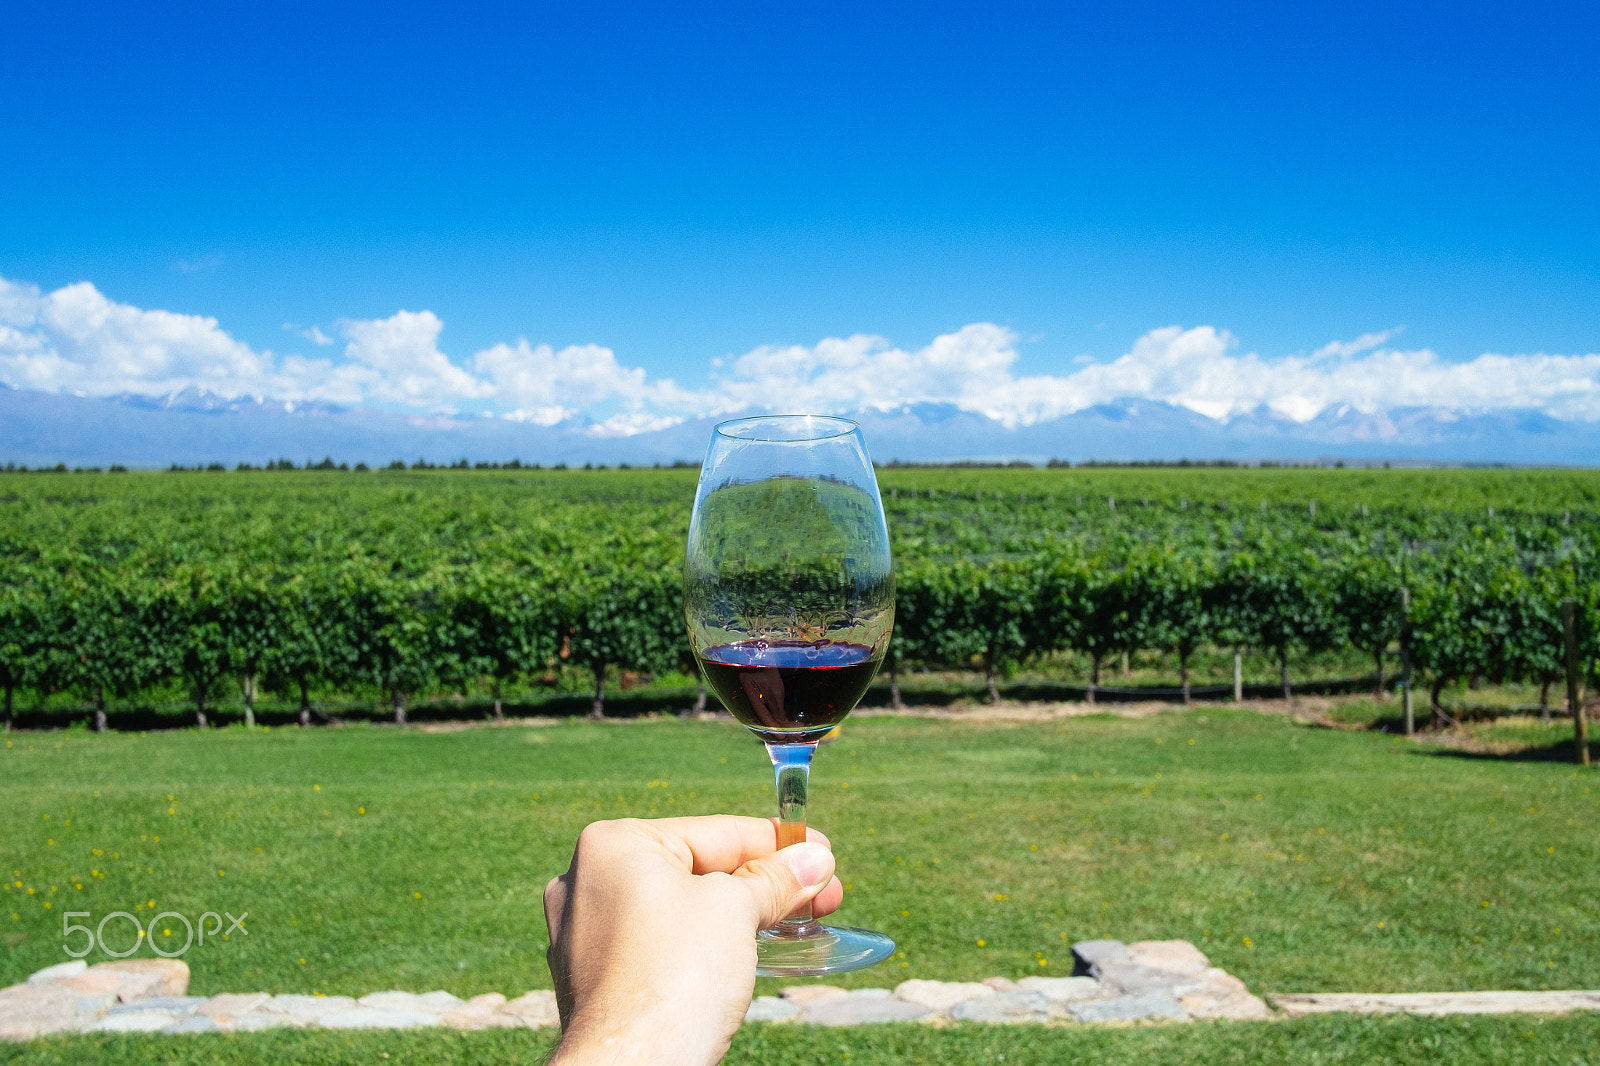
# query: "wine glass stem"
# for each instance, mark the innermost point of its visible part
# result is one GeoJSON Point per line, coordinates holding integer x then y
{"type": "Point", "coordinates": [792, 765]}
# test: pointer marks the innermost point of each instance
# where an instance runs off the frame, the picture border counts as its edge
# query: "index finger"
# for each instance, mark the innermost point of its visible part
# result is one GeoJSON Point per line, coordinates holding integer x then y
{"type": "Point", "coordinates": [721, 843]}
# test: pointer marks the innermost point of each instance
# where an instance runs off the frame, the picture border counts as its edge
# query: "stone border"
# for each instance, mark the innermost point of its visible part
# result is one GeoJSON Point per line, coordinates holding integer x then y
{"type": "Point", "coordinates": [148, 996]}
{"type": "Point", "coordinates": [1437, 1003]}
{"type": "Point", "coordinates": [1166, 981]}
{"type": "Point", "coordinates": [1150, 981]}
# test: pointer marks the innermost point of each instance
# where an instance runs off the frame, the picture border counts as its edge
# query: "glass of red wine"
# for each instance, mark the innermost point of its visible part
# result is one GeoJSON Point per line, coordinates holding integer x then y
{"type": "Point", "coordinates": [789, 600]}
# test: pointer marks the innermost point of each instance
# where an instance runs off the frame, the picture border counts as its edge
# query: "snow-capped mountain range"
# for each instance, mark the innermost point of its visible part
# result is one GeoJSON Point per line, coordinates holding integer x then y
{"type": "Point", "coordinates": [196, 427]}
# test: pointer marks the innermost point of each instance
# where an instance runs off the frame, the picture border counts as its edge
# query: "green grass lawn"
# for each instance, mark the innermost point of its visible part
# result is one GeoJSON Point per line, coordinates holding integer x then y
{"type": "Point", "coordinates": [1299, 858]}
{"type": "Point", "coordinates": [1329, 1041]}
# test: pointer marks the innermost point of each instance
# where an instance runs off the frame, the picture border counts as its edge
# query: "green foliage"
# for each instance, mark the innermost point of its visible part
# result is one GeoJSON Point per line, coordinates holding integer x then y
{"type": "Point", "coordinates": [1174, 591]}
{"type": "Point", "coordinates": [631, 618]}
{"type": "Point", "coordinates": [1366, 591]}
{"type": "Point", "coordinates": [414, 582]}
{"type": "Point", "coordinates": [504, 619]}
{"type": "Point", "coordinates": [1090, 605]}
{"type": "Point", "coordinates": [1279, 596]}
{"type": "Point", "coordinates": [113, 634]}
{"type": "Point", "coordinates": [193, 608]}
{"type": "Point", "coordinates": [1468, 613]}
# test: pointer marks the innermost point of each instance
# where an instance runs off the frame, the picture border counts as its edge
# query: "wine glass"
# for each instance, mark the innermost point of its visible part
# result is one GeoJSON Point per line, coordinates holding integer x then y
{"type": "Point", "coordinates": [789, 599]}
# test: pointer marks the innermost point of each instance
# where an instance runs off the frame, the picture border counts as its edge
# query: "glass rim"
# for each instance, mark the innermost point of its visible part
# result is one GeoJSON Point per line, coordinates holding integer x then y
{"type": "Point", "coordinates": [829, 426]}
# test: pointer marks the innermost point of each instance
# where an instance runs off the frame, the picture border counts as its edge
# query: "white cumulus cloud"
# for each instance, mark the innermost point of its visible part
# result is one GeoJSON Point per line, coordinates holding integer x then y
{"type": "Point", "coordinates": [404, 364]}
{"type": "Point", "coordinates": [1197, 368]}
{"type": "Point", "coordinates": [78, 340]}
{"type": "Point", "coordinates": [851, 373]}
{"type": "Point", "coordinates": [545, 386]}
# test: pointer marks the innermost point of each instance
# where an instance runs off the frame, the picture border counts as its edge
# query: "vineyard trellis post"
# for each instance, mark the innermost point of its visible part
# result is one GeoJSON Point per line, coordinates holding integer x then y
{"type": "Point", "coordinates": [1580, 727]}
{"type": "Point", "coordinates": [1405, 661]}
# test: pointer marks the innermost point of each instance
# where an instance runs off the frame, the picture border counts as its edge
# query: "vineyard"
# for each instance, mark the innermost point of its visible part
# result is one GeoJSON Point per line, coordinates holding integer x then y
{"type": "Point", "coordinates": [222, 589]}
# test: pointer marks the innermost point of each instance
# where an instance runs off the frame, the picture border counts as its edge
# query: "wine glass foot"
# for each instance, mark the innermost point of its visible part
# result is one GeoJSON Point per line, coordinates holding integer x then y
{"type": "Point", "coordinates": [831, 949]}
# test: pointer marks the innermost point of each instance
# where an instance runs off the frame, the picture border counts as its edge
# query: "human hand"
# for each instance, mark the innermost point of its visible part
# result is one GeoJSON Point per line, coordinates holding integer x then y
{"type": "Point", "coordinates": [652, 932]}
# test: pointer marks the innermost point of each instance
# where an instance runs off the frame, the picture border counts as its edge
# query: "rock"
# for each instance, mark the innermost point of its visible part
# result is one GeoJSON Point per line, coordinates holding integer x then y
{"type": "Point", "coordinates": [97, 1005]}
{"type": "Point", "coordinates": [1172, 956]}
{"type": "Point", "coordinates": [1000, 984]}
{"type": "Point", "coordinates": [434, 1002]}
{"type": "Point", "coordinates": [485, 1019]}
{"type": "Point", "coordinates": [1246, 1008]}
{"type": "Point", "coordinates": [1131, 979]}
{"type": "Point", "coordinates": [804, 994]}
{"type": "Point", "coordinates": [1089, 953]}
{"type": "Point", "coordinates": [1005, 1008]}
{"type": "Point", "coordinates": [482, 1012]}
{"type": "Point", "coordinates": [460, 1019]}
{"type": "Point", "coordinates": [226, 1009]}
{"type": "Point", "coordinates": [772, 1009]}
{"type": "Point", "coordinates": [171, 975]}
{"type": "Point", "coordinates": [1063, 989]}
{"type": "Point", "coordinates": [1127, 1009]}
{"type": "Point", "coordinates": [440, 1001]}
{"type": "Point", "coordinates": [536, 1009]}
{"type": "Point", "coordinates": [1170, 968]}
{"type": "Point", "coordinates": [194, 1023]}
{"type": "Point", "coordinates": [134, 1021]}
{"type": "Point", "coordinates": [298, 1010]}
{"type": "Point", "coordinates": [377, 1018]}
{"type": "Point", "coordinates": [58, 971]}
{"type": "Point", "coordinates": [940, 995]}
{"type": "Point", "coordinates": [863, 1007]}
{"type": "Point", "coordinates": [125, 987]}
{"type": "Point", "coordinates": [1222, 995]}
{"type": "Point", "coordinates": [387, 999]}
{"type": "Point", "coordinates": [30, 1010]}
{"type": "Point", "coordinates": [130, 980]}
{"type": "Point", "coordinates": [259, 1020]}
{"type": "Point", "coordinates": [179, 1005]}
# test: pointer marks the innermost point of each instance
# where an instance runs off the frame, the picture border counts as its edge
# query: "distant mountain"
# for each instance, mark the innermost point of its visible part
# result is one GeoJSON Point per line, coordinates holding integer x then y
{"type": "Point", "coordinates": [195, 427]}
{"type": "Point", "coordinates": [1145, 430]}
{"type": "Point", "coordinates": [200, 399]}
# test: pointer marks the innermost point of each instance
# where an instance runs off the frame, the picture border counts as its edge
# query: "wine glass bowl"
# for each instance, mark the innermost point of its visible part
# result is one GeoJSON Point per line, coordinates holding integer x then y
{"type": "Point", "coordinates": [789, 604]}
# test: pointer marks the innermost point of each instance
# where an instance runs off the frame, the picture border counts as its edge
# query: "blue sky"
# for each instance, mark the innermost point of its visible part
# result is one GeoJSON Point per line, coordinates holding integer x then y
{"type": "Point", "coordinates": [681, 183]}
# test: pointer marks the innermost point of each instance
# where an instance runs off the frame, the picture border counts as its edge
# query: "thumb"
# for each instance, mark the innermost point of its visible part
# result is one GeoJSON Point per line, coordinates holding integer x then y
{"type": "Point", "coordinates": [780, 883]}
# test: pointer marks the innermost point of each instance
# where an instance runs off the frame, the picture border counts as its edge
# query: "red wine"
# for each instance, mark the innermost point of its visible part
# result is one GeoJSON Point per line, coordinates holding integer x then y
{"type": "Point", "coordinates": [789, 691]}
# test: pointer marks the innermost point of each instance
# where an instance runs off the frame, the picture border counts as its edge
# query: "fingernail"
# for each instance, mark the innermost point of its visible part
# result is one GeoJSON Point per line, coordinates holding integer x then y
{"type": "Point", "coordinates": [812, 863]}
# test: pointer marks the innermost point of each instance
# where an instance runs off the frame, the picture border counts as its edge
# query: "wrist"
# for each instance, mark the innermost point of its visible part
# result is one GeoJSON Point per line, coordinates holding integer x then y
{"type": "Point", "coordinates": [656, 1039]}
